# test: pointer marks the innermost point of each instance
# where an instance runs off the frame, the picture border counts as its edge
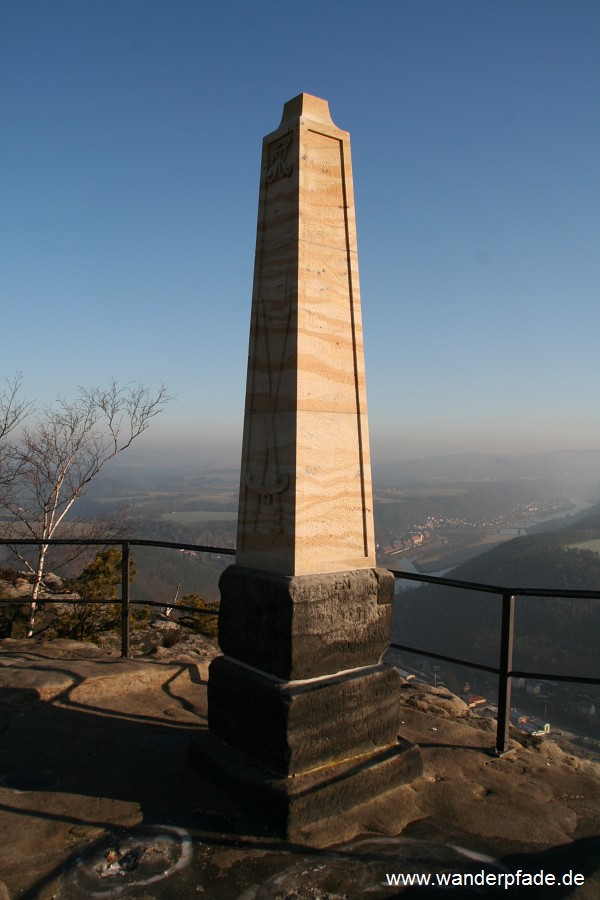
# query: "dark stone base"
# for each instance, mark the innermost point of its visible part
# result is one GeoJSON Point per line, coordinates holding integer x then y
{"type": "Point", "coordinates": [304, 626]}
{"type": "Point", "coordinates": [321, 807]}
{"type": "Point", "coordinates": [303, 717]}
{"type": "Point", "coordinates": [295, 727]}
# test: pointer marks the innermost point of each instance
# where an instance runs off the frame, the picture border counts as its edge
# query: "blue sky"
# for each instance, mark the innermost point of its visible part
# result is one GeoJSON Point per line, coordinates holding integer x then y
{"type": "Point", "coordinates": [129, 166]}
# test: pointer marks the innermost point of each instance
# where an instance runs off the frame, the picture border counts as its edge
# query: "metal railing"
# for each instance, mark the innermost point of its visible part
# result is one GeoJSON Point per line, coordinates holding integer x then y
{"type": "Point", "coordinates": [124, 600]}
{"type": "Point", "coordinates": [504, 670]}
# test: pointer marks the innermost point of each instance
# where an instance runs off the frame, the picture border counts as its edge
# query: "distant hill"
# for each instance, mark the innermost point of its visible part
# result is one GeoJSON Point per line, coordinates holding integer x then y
{"type": "Point", "coordinates": [587, 522]}
{"type": "Point", "coordinates": [469, 501]}
{"type": "Point", "coordinates": [558, 635]}
{"type": "Point", "coordinates": [579, 469]}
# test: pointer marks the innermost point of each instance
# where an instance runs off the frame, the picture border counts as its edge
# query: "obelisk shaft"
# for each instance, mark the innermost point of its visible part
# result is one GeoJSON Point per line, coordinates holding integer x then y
{"type": "Point", "coordinates": [305, 496]}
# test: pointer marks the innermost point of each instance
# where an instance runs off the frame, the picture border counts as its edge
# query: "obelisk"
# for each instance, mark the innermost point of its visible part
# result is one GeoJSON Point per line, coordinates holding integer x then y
{"type": "Point", "coordinates": [306, 715]}
{"type": "Point", "coordinates": [306, 502]}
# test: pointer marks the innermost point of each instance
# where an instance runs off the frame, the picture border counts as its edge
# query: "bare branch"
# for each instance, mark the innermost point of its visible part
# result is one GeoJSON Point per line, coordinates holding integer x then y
{"type": "Point", "coordinates": [49, 468]}
{"type": "Point", "coordinates": [12, 410]}
{"type": "Point", "coordinates": [127, 412]}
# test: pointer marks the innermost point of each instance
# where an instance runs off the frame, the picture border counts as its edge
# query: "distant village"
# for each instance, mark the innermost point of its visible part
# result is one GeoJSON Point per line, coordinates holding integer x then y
{"type": "Point", "coordinates": [518, 519]}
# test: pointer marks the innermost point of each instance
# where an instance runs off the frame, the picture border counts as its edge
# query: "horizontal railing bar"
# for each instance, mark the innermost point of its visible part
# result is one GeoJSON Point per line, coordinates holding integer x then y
{"type": "Point", "coordinates": [549, 593]}
{"type": "Point", "coordinates": [228, 551]}
{"type": "Point", "coordinates": [495, 589]}
{"type": "Point", "coordinates": [452, 659]}
{"type": "Point", "coordinates": [514, 673]}
{"type": "Point", "coordinates": [16, 601]}
{"type": "Point", "coordinates": [448, 582]}
{"type": "Point", "coordinates": [111, 542]}
{"type": "Point", "coordinates": [22, 601]}
{"type": "Point", "coordinates": [162, 605]}
{"type": "Point", "coordinates": [578, 679]}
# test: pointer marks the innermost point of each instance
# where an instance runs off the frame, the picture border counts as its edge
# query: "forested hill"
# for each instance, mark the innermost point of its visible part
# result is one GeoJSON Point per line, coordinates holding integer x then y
{"type": "Point", "coordinates": [465, 501]}
{"type": "Point", "coordinates": [543, 560]}
{"type": "Point", "coordinates": [553, 635]}
{"type": "Point", "coordinates": [587, 522]}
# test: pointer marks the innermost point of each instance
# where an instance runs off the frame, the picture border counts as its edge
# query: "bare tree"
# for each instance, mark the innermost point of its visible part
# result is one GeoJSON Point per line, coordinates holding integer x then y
{"type": "Point", "coordinates": [12, 412]}
{"type": "Point", "coordinates": [54, 461]}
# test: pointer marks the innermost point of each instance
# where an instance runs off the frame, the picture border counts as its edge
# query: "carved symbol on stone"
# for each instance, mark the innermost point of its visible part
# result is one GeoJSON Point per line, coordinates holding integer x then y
{"type": "Point", "coordinates": [267, 492]}
{"type": "Point", "coordinates": [268, 488]}
{"type": "Point", "coordinates": [277, 166]}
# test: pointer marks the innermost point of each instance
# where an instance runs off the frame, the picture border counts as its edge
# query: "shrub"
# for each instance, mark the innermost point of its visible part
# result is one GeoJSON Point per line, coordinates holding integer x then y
{"type": "Point", "coordinates": [99, 581]}
{"type": "Point", "coordinates": [172, 637]}
{"type": "Point", "coordinates": [204, 621]}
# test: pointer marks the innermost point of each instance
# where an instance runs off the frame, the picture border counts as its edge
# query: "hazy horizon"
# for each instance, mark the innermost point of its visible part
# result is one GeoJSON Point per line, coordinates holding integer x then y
{"type": "Point", "coordinates": [222, 445]}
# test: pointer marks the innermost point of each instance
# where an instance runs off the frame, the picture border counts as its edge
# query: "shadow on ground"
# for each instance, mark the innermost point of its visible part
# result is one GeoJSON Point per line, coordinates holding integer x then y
{"type": "Point", "coordinates": [97, 799]}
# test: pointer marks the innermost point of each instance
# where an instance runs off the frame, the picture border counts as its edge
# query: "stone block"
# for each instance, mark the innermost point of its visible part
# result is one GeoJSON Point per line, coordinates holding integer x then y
{"type": "Point", "coordinates": [293, 728]}
{"type": "Point", "coordinates": [297, 627]}
{"type": "Point", "coordinates": [321, 807]}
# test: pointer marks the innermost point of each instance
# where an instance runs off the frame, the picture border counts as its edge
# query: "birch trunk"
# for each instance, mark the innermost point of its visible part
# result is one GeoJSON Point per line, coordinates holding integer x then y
{"type": "Point", "coordinates": [39, 574]}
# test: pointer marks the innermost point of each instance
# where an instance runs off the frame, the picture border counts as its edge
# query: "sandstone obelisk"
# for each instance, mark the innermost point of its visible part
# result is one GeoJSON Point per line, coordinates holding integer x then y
{"type": "Point", "coordinates": [305, 501]}
{"type": "Point", "coordinates": [305, 714]}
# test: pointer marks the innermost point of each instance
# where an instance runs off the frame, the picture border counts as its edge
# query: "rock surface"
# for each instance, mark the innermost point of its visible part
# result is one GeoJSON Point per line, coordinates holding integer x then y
{"type": "Point", "coordinates": [94, 751]}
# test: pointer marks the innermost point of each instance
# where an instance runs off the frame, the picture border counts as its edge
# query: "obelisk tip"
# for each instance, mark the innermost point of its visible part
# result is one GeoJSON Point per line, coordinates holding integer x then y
{"type": "Point", "coordinates": [309, 107]}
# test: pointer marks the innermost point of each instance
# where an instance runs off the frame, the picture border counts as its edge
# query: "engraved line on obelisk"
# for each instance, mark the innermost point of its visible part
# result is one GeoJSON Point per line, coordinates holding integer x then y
{"type": "Point", "coordinates": [277, 167]}
{"type": "Point", "coordinates": [357, 391]}
{"type": "Point", "coordinates": [266, 491]}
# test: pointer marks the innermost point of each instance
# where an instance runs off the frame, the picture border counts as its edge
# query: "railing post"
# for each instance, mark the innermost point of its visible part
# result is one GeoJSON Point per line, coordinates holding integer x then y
{"type": "Point", "coordinates": [125, 651]}
{"type": "Point", "coordinates": [505, 679]}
